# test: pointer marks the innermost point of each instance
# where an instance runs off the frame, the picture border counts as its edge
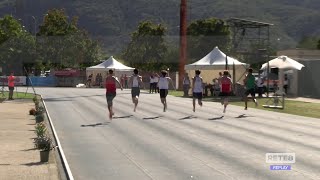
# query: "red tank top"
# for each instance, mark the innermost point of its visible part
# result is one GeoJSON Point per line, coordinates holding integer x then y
{"type": "Point", "coordinates": [225, 84]}
{"type": "Point", "coordinates": [110, 85]}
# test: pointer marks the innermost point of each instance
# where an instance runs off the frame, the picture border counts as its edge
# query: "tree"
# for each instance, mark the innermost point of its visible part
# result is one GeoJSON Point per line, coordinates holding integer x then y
{"type": "Point", "coordinates": [147, 48]}
{"type": "Point", "coordinates": [204, 35]}
{"type": "Point", "coordinates": [16, 45]}
{"type": "Point", "coordinates": [308, 42]}
{"type": "Point", "coordinates": [62, 44]}
{"type": "Point", "coordinates": [318, 46]}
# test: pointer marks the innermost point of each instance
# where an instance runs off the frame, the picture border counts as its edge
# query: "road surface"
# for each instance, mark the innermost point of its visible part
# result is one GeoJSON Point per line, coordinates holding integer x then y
{"type": "Point", "coordinates": [177, 144]}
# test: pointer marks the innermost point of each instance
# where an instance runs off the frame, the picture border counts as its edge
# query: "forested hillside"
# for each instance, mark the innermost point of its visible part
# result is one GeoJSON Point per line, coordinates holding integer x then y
{"type": "Point", "coordinates": [112, 21]}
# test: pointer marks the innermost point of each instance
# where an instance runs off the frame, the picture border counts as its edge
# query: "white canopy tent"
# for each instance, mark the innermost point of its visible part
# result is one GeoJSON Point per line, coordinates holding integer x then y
{"type": "Point", "coordinates": [283, 63]}
{"type": "Point", "coordinates": [216, 59]}
{"type": "Point", "coordinates": [215, 62]}
{"type": "Point", "coordinates": [111, 63]}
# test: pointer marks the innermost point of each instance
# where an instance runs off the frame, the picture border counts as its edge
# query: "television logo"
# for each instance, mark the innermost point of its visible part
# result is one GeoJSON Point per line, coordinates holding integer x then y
{"type": "Point", "coordinates": [280, 167]}
{"type": "Point", "coordinates": [280, 158]}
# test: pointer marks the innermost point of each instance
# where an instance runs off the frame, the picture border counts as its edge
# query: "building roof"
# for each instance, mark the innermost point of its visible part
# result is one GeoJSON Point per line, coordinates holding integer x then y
{"type": "Point", "coordinates": [247, 23]}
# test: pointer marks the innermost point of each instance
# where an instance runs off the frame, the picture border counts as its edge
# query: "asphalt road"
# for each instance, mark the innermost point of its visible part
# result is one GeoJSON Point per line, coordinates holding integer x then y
{"type": "Point", "coordinates": [177, 144]}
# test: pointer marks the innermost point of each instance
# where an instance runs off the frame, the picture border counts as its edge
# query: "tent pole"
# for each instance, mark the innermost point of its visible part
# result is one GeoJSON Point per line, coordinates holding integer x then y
{"type": "Point", "coordinates": [226, 68]}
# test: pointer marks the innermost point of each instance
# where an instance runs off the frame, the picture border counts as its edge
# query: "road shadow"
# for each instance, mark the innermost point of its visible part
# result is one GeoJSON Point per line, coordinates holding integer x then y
{"type": "Point", "coordinates": [31, 149]}
{"type": "Point", "coordinates": [34, 164]}
{"type": "Point", "coordinates": [216, 118]}
{"type": "Point", "coordinates": [121, 117]}
{"type": "Point", "coordinates": [95, 125]}
{"type": "Point", "coordinates": [31, 124]}
{"type": "Point", "coordinates": [69, 98]}
{"type": "Point", "coordinates": [151, 118]}
{"type": "Point", "coordinates": [5, 164]}
{"type": "Point", "coordinates": [188, 117]}
{"type": "Point", "coordinates": [243, 116]}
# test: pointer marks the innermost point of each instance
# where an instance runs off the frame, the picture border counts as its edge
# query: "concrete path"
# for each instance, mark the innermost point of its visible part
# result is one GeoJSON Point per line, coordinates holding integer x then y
{"type": "Point", "coordinates": [18, 158]}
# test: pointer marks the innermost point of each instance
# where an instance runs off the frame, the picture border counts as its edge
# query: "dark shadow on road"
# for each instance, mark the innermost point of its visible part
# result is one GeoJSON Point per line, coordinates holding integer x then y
{"type": "Point", "coordinates": [69, 98]}
{"type": "Point", "coordinates": [31, 149]}
{"type": "Point", "coordinates": [31, 130]}
{"type": "Point", "coordinates": [243, 116]}
{"type": "Point", "coordinates": [216, 118]}
{"type": "Point", "coordinates": [33, 164]}
{"type": "Point", "coordinates": [31, 124]}
{"type": "Point", "coordinates": [188, 117]}
{"type": "Point", "coordinates": [94, 125]}
{"type": "Point", "coordinates": [57, 99]}
{"type": "Point", "coordinates": [121, 117]}
{"type": "Point", "coordinates": [5, 164]}
{"type": "Point", "coordinates": [148, 118]}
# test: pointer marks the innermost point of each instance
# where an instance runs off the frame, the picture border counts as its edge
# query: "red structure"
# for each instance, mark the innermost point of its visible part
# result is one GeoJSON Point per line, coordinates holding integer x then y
{"type": "Point", "coordinates": [183, 40]}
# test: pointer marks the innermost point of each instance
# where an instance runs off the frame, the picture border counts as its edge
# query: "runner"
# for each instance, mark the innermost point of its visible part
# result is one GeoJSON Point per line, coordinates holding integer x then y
{"type": "Point", "coordinates": [226, 88]}
{"type": "Point", "coordinates": [164, 86]}
{"type": "Point", "coordinates": [135, 82]}
{"type": "Point", "coordinates": [249, 83]}
{"type": "Point", "coordinates": [197, 89]}
{"type": "Point", "coordinates": [111, 82]}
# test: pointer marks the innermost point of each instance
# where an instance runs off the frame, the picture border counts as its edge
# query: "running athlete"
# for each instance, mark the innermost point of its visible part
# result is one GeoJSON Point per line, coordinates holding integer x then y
{"type": "Point", "coordinates": [250, 84]}
{"type": "Point", "coordinates": [226, 88]}
{"type": "Point", "coordinates": [136, 83]}
{"type": "Point", "coordinates": [163, 84]}
{"type": "Point", "coordinates": [111, 87]}
{"type": "Point", "coordinates": [197, 89]}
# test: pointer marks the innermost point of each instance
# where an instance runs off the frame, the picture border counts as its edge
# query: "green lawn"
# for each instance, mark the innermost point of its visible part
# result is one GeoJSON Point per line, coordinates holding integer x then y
{"type": "Point", "coordinates": [176, 93]}
{"type": "Point", "coordinates": [291, 107]}
{"type": "Point", "coordinates": [18, 95]}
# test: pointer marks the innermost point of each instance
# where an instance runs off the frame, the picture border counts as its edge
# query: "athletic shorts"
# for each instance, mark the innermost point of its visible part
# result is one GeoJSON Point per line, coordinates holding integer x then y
{"type": "Point", "coordinates": [250, 91]}
{"type": "Point", "coordinates": [135, 91]}
{"type": "Point", "coordinates": [11, 88]}
{"type": "Point", "coordinates": [163, 93]}
{"type": "Point", "coordinates": [110, 97]}
{"type": "Point", "coordinates": [197, 95]}
{"type": "Point", "coordinates": [224, 93]}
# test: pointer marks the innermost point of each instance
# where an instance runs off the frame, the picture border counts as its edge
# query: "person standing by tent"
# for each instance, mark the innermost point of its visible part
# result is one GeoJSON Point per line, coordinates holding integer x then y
{"type": "Point", "coordinates": [11, 80]}
{"type": "Point", "coordinates": [226, 88]}
{"type": "Point", "coordinates": [197, 89]}
{"type": "Point", "coordinates": [111, 86]}
{"type": "Point", "coordinates": [88, 84]}
{"type": "Point", "coordinates": [250, 84]}
{"type": "Point", "coordinates": [136, 83]}
{"type": "Point", "coordinates": [125, 81]}
{"type": "Point", "coordinates": [186, 85]}
{"type": "Point", "coordinates": [286, 84]}
{"type": "Point", "coordinates": [151, 83]}
{"type": "Point", "coordinates": [163, 87]}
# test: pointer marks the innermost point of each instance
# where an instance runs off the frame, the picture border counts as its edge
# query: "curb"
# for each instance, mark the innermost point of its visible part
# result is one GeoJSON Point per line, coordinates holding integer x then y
{"type": "Point", "coordinates": [59, 147]}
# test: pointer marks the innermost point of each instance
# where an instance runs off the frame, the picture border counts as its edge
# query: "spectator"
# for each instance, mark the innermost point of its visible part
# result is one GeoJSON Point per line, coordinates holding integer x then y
{"type": "Point", "coordinates": [186, 85]}
{"type": "Point", "coordinates": [89, 80]}
{"type": "Point", "coordinates": [125, 81]}
{"type": "Point", "coordinates": [155, 83]}
{"type": "Point", "coordinates": [151, 83]}
{"type": "Point", "coordinates": [11, 80]}
{"type": "Point", "coordinates": [286, 84]}
{"type": "Point", "coordinates": [260, 85]}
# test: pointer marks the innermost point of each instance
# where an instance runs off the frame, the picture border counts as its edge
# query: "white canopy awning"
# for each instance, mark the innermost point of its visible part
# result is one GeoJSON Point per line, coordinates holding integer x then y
{"type": "Point", "coordinates": [110, 63]}
{"type": "Point", "coordinates": [283, 62]}
{"type": "Point", "coordinates": [216, 59]}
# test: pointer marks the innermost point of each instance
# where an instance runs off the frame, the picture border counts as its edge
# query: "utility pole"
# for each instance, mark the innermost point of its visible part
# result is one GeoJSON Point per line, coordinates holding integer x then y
{"type": "Point", "coordinates": [183, 40]}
